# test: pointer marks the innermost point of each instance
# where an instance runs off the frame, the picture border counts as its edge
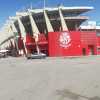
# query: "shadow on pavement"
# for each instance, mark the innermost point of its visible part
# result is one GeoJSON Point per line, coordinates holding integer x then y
{"type": "Point", "coordinates": [74, 96]}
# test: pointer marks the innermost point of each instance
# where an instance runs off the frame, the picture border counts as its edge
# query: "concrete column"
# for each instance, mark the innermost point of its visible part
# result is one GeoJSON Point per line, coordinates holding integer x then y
{"type": "Point", "coordinates": [35, 31]}
{"type": "Point", "coordinates": [13, 42]}
{"type": "Point", "coordinates": [63, 23]}
{"type": "Point", "coordinates": [14, 30]}
{"type": "Point", "coordinates": [22, 28]}
{"type": "Point", "coordinates": [48, 23]}
{"type": "Point", "coordinates": [23, 33]}
{"type": "Point", "coordinates": [33, 25]}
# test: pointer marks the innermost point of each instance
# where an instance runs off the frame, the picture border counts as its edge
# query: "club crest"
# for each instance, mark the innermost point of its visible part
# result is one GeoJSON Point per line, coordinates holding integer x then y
{"type": "Point", "coordinates": [65, 39]}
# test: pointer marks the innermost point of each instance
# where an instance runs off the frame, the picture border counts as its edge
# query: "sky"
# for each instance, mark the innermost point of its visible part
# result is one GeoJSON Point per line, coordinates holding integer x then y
{"type": "Point", "coordinates": [9, 7]}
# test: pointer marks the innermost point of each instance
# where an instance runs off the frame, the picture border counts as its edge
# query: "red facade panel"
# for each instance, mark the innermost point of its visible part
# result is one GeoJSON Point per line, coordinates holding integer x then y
{"type": "Point", "coordinates": [98, 45]}
{"type": "Point", "coordinates": [88, 38]}
{"type": "Point", "coordinates": [89, 42]}
{"type": "Point", "coordinates": [64, 44]}
{"type": "Point", "coordinates": [72, 43]}
{"type": "Point", "coordinates": [42, 43]}
{"type": "Point", "coordinates": [20, 43]}
{"type": "Point", "coordinates": [98, 41]}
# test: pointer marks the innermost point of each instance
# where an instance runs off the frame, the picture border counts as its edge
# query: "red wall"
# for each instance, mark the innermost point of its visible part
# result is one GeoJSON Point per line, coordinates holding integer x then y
{"type": "Point", "coordinates": [98, 45]}
{"type": "Point", "coordinates": [20, 43]}
{"type": "Point", "coordinates": [81, 43]}
{"type": "Point", "coordinates": [31, 45]}
{"type": "Point", "coordinates": [89, 41]}
{"type": "Point", "coordinates": [73, 43]}
{"type": "Point", "coordinates": [57, 47]}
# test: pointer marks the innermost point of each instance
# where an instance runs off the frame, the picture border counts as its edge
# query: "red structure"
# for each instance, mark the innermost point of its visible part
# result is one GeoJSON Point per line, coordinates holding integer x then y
{"type": "Point", "coordinates": [98, 45]}
{"type": "Point", "coordinates": [64, 43]}
{"type": "Point", "coordinates": [31, 46]}
{"type": "Point", "coordinates": [57, 32]}
{"type": "Point", "coordinates": [72, 43]}
{"type": "Point", "coordinates": [89, 43]}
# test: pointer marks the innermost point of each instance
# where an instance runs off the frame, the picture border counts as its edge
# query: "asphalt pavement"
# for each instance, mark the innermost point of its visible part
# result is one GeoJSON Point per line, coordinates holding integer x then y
{"type": "Point", "coordinates": [65, 78]}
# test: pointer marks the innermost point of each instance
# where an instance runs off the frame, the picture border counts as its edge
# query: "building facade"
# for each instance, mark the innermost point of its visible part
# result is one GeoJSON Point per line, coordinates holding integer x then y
{"type": "Point", "coordinates": [53, 31]}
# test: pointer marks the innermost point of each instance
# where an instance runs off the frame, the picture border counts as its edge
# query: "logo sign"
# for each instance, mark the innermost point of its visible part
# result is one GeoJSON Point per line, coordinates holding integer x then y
{"type": "Point", "coordinates": [65, 39]}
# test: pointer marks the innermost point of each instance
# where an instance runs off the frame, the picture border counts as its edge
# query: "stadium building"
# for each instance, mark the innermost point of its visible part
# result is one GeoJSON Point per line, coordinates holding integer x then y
{"type": "Point", "coordinates": [53, 31]}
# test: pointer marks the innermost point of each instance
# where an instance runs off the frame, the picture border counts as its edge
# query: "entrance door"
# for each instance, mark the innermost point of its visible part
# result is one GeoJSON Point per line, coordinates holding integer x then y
{"type": "Point", "coordinates": [91, 49]}
{"type": "Point", "coordinates": [84, 51]}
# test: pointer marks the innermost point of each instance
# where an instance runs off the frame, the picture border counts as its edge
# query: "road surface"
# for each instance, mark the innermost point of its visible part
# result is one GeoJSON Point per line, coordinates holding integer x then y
{"type": "Point", "coordinates": [50, 79]}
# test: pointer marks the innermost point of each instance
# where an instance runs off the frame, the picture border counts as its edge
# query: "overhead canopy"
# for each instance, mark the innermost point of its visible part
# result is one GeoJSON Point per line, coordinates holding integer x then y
{"type": "Point", "coordinates": [71, 16]}
{"type": "Point", "coordinates": [77, 10]}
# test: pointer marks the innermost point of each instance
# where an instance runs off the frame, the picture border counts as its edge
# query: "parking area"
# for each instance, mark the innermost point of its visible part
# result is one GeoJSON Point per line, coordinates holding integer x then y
{"type": "Point", "coordinates": [66, 78]}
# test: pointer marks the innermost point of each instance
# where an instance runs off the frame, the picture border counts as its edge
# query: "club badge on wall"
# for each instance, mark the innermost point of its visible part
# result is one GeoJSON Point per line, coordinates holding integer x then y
{"type": "Point", "coordinates": [65, 39]}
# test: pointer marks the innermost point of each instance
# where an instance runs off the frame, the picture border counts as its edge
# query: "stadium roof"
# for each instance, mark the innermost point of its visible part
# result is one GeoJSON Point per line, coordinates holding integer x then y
{"type": "Point", "coordinates": [6, 33]}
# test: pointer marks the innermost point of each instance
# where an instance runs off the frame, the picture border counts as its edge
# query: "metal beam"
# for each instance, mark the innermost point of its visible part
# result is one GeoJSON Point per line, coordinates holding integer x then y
{"type": "Point", "coordinates": [21, 14]}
